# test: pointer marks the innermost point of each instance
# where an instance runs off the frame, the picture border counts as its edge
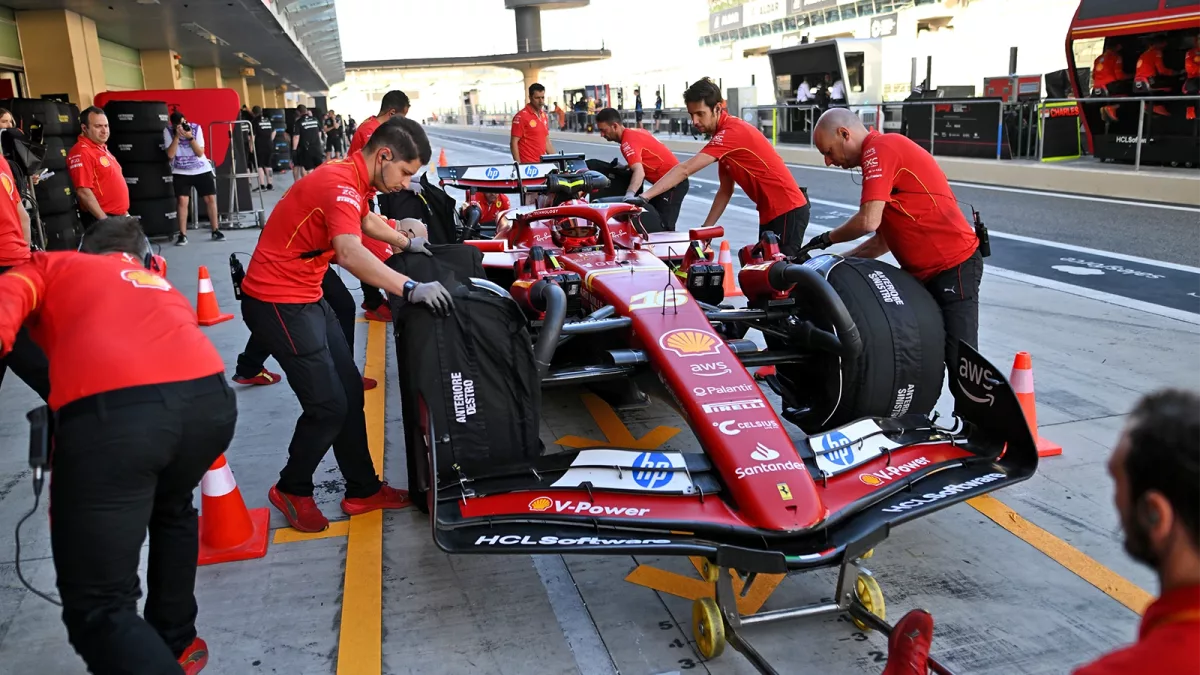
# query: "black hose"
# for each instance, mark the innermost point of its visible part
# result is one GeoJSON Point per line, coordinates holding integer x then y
{"type": "Point", "coordinates": [597, 326]}
{"type": "Point", "coordinates": [815, 289]}
{"type": "Point", "coordinates": [554, 298]}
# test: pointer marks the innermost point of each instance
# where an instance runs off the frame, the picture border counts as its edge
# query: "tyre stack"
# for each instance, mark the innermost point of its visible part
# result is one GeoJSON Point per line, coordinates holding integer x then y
{"type": "Point", "coordinates": [55, 125]}
{"type": "Point", "coordinates": [137, 143]}
{"type": "Point", "coordinates": [281, 154]}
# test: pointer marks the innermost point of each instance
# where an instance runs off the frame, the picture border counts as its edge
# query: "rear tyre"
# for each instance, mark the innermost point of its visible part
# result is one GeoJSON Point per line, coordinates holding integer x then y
{"type": "Point", "coordinates": [140, 148]}
{"type": "Point", "coordinates": [55, 195]}
{"type": "Point", "coordinates": [56, 153]}
{"type": "Point", "coordinates": [136, 117]}
{"type": "Point", "coordinates": [62, 231]}
{"type": "Point", "coordinates": [149, 181]}
{"type": "Point", "coordinates": [159, 217]}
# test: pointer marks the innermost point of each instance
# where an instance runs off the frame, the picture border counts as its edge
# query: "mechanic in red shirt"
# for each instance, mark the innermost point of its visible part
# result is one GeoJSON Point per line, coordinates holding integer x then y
{"type": "Point", "coordinates": [99, 184]}
{"type": "Point", "coordinates": [649, 159]}
{"type": "Point", "coordinates": [531, 129]}
{"type": "Point", "coordinates": [141, 412]}
{"type": "Point", "coordinates": [1156, 473]}
{"type": "Point", "coordinates": [25, 358]}
{"type": "Point", "coordinates": [491, 205]}
{"type": "Point", "coordinates": [907, 203]}
{"type": "Point", "coordinates": [745, 157]}
{"type": "Point", "coordinates": [283, 305]}
{"type": "Point", "coordinates": [394, 103]}
{"type": "Point", "coordinates": [1191, 67]}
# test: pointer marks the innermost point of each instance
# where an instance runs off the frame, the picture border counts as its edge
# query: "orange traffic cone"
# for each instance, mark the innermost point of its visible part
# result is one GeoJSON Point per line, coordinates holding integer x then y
{"type": "Point", "coordinates": [1022, 385]}
{"type": "Point", "coordinates": [228, 531]}
{"type": "Point", "coordinates": [442, 158]}
{"type": "Point", "coordinates": [208, 312]}
{"type": "Point", "coordinates": [725, 258]}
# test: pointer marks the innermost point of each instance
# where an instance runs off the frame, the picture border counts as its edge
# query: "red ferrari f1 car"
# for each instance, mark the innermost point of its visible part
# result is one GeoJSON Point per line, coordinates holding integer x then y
{"type": "Point", "coordinates": [814, 478]}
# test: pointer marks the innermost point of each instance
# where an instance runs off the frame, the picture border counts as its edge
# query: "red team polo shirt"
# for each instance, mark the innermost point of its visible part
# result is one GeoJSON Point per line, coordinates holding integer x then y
{"type": "Point", "coordinates": [922, 224]}
{"type": "Point", "coordinates": [14, 250]}
{"type": "Point", "coordinates": [69, 299]}
{"type": "Point", "coordinates": [363, 134]}
{"type": "Point", "coordinates": [92, 166]}
{"type": "Point", "coordinates": [328, 202]}
{"type": "Point", "coordinates": [533, 128]}
{"type": "Point", "coordinates": [746, 156]}
{"type": "Point", "coordinates": [639, 146]}
{"type": "Point", "coordinates": [490, 205]}
{"type": "Point", "coordinates": [1168, 640]}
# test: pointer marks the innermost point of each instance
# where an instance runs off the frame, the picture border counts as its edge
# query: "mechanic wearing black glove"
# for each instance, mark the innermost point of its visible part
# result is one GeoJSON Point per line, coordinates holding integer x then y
{"type": "Point", "coordinates": [323, 214]}
{"type": "Point", "coordinates": [908, 205]}
{"type": "Point", "coordinates": [821, 241]}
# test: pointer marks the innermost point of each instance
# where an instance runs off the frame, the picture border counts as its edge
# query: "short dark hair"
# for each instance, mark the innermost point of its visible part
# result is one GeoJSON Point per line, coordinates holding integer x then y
{"type": "Point", "coordinates": [177, 117]}
{"type": "Point", "coordinates": [608, 116]}
{"type": "Point", "coordinates": [115, 234]}
{"type": "Point", "coordinates": [394, 100]}
{"type": "Point", "coordinates": [535, 87]}
{"type": "Point", "coordinates": [1164, 453]}
{"type": "Point", "coordinates": [301, 107]}
{"type": "Point", "coordinates": [703, 91]}
{"type": "Point", "coordinates": [405, 137]}
{"type": "Point", "coordinates": [86, 115]}
{"type": "Point", "coordinates": [257, 110]}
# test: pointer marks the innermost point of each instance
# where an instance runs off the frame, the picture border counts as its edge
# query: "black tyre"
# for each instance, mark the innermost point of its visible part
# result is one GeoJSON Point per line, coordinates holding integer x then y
{"type": "Point", "coordinates": [148, 181]}
{"type": "Point", "coordinates": [278, 119]}
{"type": "Point", "coordinates": [62, 231]}
{"type": "Point", "coordinates": [159, 217]}
{"type": "Point", "coordinates": [902, 364]}
{"type": "Point", "coordinates": [144, 148]}
{"type": "Point", "coordinates": [41, 118]}
{"type": "Point", "coordinates": [55, 195]}
{"type": "Point", "coordinates": [56, 153]}
{"type": "Point", "coordinates": [136, 117]}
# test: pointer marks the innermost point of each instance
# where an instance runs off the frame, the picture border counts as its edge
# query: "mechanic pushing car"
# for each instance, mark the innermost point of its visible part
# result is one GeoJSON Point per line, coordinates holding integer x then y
{"type": "Point", "coordinates": [25, 358]}
{"type": "Point", "coordinates": [1156, 475]}
{"type": "Point", "coordinates": [139, 416]}
{"type": "Point", "coordinates": [649, 160]}
{"type": "Point", "coordinates": [907, 203]}
{"type": "Point", "coordinates": [394, 103]}
{"type": "Point", "coordinates": [745, 157]}
{"type": "Point", "coordinates": [282, 304]}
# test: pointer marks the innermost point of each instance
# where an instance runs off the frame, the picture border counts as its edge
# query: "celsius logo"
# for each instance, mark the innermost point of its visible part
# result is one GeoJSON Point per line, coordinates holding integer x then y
{"type": "Point", "coordinates": [492, 172]}
{"type": "Point", "coordinates": [764, 454]}
{"type": "Point", "coordinates": [531, 171]}
{"type": "Point", "coordinates": [838, 448]}
{"type": "Point", "coordinates": [649, 470]}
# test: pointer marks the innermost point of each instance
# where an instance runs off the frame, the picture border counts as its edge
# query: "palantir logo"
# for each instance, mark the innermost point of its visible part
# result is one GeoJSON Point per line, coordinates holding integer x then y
{"type": "Point", "coordinates": [492, 172]}
{"type": "Point", "coordinates": [649, 470]}
{"type": "Point", "coordinates": [531, 171]}
{"type": "Point", "coordinates": [838, 448]}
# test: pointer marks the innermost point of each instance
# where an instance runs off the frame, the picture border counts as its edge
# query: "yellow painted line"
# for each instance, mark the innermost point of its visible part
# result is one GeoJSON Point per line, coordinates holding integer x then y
{"type": "Point", "coordinates": [691, 588]}
{"type": "Point", "coordinates": [1116, 586]}
{"type": "Point", "coordinates": [361, 638]}
{"type": "Point", "coordinates": [363, 319]}
{"type": "Point", "coordinates": [286, 535]}
{"type": "Point", "coordinates": [615, 431]}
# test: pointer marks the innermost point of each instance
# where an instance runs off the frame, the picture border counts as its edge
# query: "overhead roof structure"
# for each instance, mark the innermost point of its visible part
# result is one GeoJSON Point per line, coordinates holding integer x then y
{"type": "Point", "coordinates": [292, 42]}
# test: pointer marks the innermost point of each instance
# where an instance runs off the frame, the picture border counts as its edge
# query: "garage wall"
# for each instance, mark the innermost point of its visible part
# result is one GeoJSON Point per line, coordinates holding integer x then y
{"type": "Point", "coordinates": [122, 67]}
{"type": "Point", "coordinates": [188, 78]}
{"type": "Point", "coordinates": [10, 44]}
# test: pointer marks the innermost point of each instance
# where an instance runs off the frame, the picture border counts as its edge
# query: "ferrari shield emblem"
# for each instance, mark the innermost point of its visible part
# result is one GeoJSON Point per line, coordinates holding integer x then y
{"type": "Point", "coordinates": [785, 493]}
{"type": "Point", "coordinates": [145, 279]}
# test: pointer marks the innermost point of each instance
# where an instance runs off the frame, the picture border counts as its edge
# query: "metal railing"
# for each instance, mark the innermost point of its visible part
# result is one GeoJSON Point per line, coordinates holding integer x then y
{"type": "Point", "coordinates": [238, 152]}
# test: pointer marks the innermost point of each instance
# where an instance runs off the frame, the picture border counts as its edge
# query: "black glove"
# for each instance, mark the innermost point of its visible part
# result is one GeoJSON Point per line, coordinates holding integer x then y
{"type": "Point", "coordinates": [636, 201]}
{"type": "Point", "coordinates": [820, 241]}
{"type": "Point", "coordinates": [432, 294]}
{"type": "Point", "coordinates": [418, 245]}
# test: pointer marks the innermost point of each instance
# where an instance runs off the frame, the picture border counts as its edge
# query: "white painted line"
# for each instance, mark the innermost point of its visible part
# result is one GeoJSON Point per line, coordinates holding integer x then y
{"type": "Point", "coordinates": [583, 638]}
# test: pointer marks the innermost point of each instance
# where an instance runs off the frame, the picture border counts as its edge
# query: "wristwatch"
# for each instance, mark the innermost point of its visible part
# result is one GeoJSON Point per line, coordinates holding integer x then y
{"type": "Point", "coordinates": [408, 289]}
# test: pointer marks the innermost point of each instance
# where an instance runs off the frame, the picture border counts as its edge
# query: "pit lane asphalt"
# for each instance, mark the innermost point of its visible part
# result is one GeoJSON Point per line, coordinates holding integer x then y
{"type": "Point", "coordinates": [1139, 253]}
{"type": "Point", "coordinates": [1001, 606]}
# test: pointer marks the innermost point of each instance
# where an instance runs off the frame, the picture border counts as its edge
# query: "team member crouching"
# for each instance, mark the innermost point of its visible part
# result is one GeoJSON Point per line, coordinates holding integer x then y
{"type": "Point", "coordinates": [142, 410]}
{"type": "Point", "coordinates": [284, 307]}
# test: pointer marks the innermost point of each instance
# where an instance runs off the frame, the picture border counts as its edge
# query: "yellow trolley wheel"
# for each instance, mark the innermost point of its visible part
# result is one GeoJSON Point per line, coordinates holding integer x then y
{"type": "Point", "coordinates": [708, 628]}
{"type": "Point", "coordinates": [871, 596]}
{"type": "Point", "coordinates": [709, 572]}
{"type": "Point", "coordinates": [867, 555]}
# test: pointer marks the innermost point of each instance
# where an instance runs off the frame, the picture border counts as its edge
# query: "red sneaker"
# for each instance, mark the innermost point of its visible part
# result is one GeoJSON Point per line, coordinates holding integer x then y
{"type": "Point", "coordinates": [387, 498]}
{"type": "Point", "coordinates": [908, 645]}
{"type": "Point", "coordinates": [195, 657]}
{"type": "Point", "coordinates": [265, 377]}
{"type": "Point", "coordinates": [380, 313]}
{"type": "Point", "coordinates": [369, 384]}
{"type": "Point", "coordinates": [301, 512]}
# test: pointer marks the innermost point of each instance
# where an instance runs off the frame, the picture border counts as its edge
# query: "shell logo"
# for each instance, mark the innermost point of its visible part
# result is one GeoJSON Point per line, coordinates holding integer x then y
{"type": "Point", "coordinates": [870, 479]}
{"type": "Point", "coordinates": [6, 182]}
{"type": "Point", "coordinates": [532, 124]}
{"type": "Point", "coordinates": [145, 279]}
{"type": "Point", "coordinates": [104, 161]}
{"type": "Point", "coordinates": [541, 504]}
{"type": "Point", "coordinates": [686, 342]}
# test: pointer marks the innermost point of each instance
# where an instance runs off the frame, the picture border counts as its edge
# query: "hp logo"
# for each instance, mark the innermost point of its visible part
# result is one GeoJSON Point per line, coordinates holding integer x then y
{"type": "Point", "coordinates": [531, 171]}
{"type": "Point", "coordinates": [492, 173]}
{"type": "Point", "coordinates": [839, 449]}
{"type": "Point", "coordinates": [648, 470]}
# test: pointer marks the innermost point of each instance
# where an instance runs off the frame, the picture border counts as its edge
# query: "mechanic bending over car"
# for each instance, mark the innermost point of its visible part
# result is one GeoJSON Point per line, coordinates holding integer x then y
{"type": "Point", "coordinates": [744, 156]}
{"type": "Point", "coordinates": [25, 358]}
{"type": "Point", "coordinates": [908, 205]}
{"type": "Point", "coordinates": [1156, 475]}
{"type": "Point", "coordinates": [394, 103]}
{"type": "Point", "coordinates": [283, 305]}
{"type": "Point", "coordinates": [139, 416]}
{"type": "Point", "coordinates": [649, 160]}
{"type": "Point", "coordinates": [531, 132]}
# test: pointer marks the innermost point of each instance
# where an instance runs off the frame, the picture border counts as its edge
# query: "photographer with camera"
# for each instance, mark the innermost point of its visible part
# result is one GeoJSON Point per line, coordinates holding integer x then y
{"type": "Point", "coordinates": [190, 170]}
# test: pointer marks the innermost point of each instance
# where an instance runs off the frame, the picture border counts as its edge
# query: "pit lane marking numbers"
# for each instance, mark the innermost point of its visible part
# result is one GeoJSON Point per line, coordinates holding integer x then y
{"type": "Point", "coordinates": [672, 297]}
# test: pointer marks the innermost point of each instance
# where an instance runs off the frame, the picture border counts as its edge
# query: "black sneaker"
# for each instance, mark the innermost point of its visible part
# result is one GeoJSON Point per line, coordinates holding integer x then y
{"type": "Point", "coordinates": [218, 235]}
{"type": "Point", "coordinates": [181, 239]}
